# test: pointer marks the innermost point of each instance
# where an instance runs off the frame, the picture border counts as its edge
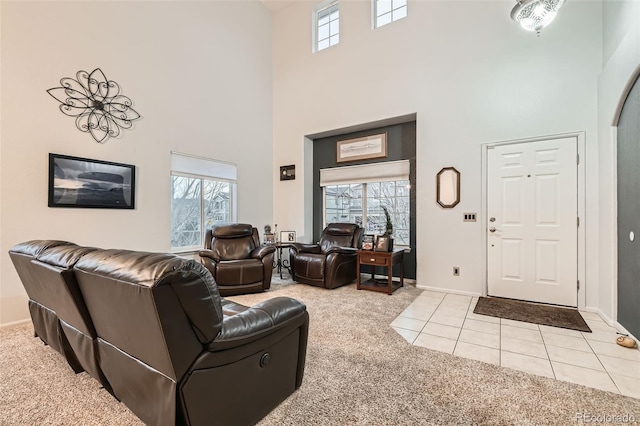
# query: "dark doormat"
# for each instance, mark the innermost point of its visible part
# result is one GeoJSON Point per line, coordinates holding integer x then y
{"type": "Point", "coordinates": [531, 312]}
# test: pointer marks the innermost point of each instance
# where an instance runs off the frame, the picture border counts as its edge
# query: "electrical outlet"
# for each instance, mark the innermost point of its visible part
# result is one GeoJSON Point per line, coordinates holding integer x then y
{"type": "Point", "coordinates": [456, 271]}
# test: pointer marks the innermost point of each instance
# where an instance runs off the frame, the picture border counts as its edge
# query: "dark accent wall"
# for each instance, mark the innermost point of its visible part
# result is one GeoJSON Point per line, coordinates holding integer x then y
{"type": "Point", "coordinates": [401, 145]}
{"type": "Point", "coordinates": [629, 212]}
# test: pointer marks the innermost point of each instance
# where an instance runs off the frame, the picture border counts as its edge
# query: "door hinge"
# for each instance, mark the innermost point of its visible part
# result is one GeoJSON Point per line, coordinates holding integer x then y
{"type": "Point", "coordinates": [578, 221]}
{"type": "Point", "coordinates": [578, 284]}
{"type": "Point", "coordinates": [577, 158]}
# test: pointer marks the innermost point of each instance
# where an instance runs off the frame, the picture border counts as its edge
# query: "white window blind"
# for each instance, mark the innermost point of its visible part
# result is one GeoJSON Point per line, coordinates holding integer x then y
{"type": "Point", "coordinates": [363, 173]}
{"type": "Point", "coordinates": [202, 167]}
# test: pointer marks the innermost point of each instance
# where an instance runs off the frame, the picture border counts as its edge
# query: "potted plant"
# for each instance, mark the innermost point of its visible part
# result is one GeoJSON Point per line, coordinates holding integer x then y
{"type": "Point", "coordinates": [388, 227]}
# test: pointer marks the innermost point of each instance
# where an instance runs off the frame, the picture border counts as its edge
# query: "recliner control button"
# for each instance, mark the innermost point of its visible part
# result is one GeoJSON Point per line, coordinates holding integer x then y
{"type": "Point", "coordinates": [264, 360]}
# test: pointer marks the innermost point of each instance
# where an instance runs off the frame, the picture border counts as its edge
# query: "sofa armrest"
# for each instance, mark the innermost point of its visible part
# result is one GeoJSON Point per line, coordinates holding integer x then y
{"type": "Point", "coordinates": [304, 248]}
{"type": "Point", "coordinates": [261, 252]}
{"type": "Point", "coordinates": [209, 255]}
{"type": "Point", "coordinates": [258, 321]}
{"type": "Point", "coordinates": [342, 250]}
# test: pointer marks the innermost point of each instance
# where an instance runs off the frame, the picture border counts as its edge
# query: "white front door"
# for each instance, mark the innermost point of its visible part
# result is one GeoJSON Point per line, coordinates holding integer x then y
{"type": "Point", "coordinates": [532, 221]}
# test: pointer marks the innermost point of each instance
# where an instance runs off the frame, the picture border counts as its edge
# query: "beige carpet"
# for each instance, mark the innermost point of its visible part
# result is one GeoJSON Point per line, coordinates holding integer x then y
{"type": "Point", "coordinates": [359, 372]}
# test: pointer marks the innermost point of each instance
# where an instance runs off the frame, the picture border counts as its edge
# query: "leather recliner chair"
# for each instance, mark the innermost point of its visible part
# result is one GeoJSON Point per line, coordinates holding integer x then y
{"type": "Point", "coordinates": [332, 262]}
{"type": "Point", "coordinates": [233, 255]}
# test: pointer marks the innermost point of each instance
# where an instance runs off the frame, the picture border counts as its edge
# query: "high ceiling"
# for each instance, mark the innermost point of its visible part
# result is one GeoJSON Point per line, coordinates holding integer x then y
{"type": "Point", "coordinates": [274, 5]}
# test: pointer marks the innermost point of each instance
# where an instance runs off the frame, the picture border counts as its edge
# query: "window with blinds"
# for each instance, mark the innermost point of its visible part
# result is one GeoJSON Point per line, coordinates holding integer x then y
{"type": "Point", "coordinates": [360, 194]}
{"type": "Point", "coordinates": [202, 195]}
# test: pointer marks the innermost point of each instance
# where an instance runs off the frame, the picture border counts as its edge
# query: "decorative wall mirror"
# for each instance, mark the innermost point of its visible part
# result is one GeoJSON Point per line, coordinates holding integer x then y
{"type": "Point", "coordinates": [448, 187]}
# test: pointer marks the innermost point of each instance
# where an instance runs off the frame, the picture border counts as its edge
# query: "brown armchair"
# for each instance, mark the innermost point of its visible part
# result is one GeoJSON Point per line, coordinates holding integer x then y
{"type": "Point", "coordinates": [233, 255]}
{"type": "Point", "coordinates": [332, 262]}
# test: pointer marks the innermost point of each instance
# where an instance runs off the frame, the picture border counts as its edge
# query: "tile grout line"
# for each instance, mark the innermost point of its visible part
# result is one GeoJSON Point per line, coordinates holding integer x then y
{"type": "Point", "coordinates": [431, 316]}
{"type": "Point", "coordinates": [461, 327]}
{"type": "Point", "coordinates": [546, 350]}
{"type": "Point", "coordinates": [603, 366]}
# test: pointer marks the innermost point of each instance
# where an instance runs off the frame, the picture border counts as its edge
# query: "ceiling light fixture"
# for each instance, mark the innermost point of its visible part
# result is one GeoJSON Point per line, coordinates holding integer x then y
{"type": "Point", "coordinates": [534, 15]}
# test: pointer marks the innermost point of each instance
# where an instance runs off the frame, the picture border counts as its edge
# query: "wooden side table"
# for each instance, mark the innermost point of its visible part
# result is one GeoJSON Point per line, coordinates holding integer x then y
{"type": "Point", "coordinates": [385, 259]}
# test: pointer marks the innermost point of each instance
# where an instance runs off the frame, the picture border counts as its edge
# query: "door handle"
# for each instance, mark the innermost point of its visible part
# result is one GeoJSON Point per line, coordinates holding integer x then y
{"type": "Point", "coordinates": [492, 229]}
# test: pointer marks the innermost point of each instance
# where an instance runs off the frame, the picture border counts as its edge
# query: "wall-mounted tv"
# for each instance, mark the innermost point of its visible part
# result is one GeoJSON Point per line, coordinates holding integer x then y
{"type": "Point", "coordinates": [83, 182]}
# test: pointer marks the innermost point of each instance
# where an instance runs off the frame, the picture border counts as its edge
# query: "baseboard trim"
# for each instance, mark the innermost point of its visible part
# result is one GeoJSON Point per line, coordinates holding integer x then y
{"type": "Point", "coordinates": [449, 290]}
{"type": "Point", "coordinates": [13, 324]}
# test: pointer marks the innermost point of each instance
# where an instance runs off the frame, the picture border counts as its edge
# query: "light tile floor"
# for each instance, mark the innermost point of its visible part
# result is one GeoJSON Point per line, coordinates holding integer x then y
{"type": "Point", "coordinates": [445, 322]}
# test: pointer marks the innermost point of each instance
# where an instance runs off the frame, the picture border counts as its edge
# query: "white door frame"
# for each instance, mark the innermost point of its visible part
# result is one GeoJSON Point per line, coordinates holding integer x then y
{"type": "Point", "coordinates": [580, 136]}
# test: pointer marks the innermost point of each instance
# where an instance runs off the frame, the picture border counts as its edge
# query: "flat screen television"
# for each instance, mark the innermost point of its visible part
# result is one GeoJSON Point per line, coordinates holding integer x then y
{"type": "Point", "coordinates": [87, 183]}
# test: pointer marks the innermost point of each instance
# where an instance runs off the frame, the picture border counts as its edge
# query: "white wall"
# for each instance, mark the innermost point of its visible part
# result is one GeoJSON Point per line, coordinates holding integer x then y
{"type": "Point", "coordinates": [471, 75]}
{"type": "Point", "coordinates": [200, 75]}
{"type": "Point", "coordinates": [622, 33]}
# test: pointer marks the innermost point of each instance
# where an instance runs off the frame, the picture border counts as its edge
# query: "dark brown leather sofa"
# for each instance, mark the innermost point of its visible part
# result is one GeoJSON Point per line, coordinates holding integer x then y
{"type": "Point", "coordinates": [233, 255]}
{"type": "Point", "coordinates": [332, 262]}
{"type": "Point", "coordinates": [53, 269]}
{"type": "Point", "coordinates": [44, 299]}
{"type": "Point", "coordinates": [167, 344]}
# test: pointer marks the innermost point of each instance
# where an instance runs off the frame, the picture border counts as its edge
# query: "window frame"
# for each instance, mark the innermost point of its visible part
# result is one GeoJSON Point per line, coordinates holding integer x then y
{"type": "Point", "coordinates": [365, 202]}
{"type": "Point", "coordinates": [218, 170]}
{"type": "Point", "coordinates": [315, 18]}
{"type": "Point", "coordinates": [374, 13]}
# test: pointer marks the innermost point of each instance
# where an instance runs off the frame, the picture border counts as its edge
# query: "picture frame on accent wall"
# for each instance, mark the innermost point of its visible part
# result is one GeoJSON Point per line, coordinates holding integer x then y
{"type": "Point", "coordinates": [363, 148]}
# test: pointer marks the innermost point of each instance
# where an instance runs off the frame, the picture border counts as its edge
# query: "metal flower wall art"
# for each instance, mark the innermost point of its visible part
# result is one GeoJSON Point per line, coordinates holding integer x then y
{"type": "Point", "coordinates": [96, 103]}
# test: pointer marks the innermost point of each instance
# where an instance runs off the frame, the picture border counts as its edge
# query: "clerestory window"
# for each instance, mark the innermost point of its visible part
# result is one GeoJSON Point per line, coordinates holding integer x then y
{"type": "Point", "coordinates": [327, 25]}
{"type": "Point", "coordinates": [387, 11]}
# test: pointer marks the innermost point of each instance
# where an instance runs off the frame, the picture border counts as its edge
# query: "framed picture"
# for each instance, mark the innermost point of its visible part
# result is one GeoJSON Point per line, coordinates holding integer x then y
{"type": "Point", "coordinates": [368, 241]}
{"type": "Point", "coordinates": [382, 243]}
{"type": "Point", "coordinates": [83, 182]}
{"type": "Point", "coordinates": [287, 236]}
{"type": "Point", "coordinates": [288, 172]}
{"type": "Point", "coordinates": [269, 238]}
{"type": "Point", "coordinates": [364, 148]}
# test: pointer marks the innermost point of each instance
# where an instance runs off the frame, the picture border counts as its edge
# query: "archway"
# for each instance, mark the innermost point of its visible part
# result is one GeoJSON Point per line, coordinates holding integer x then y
{"type": "Point", "coordinates": [628, 196]}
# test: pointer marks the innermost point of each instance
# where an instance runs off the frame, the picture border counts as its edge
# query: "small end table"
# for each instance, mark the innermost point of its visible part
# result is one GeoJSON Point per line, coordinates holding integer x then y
{"type": "Point", "coordinates": [385, 259]}
{"type": "Point", "coordinates": [279, 261]}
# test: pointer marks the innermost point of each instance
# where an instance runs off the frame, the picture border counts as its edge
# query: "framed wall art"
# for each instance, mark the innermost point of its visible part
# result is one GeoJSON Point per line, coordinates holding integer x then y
{"type": "Point", "coordinates": [363, 148]}
{"type": "Point", "coordinates": [288, 172]}
{"type": "Point", "coordinates": [87, 183]}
